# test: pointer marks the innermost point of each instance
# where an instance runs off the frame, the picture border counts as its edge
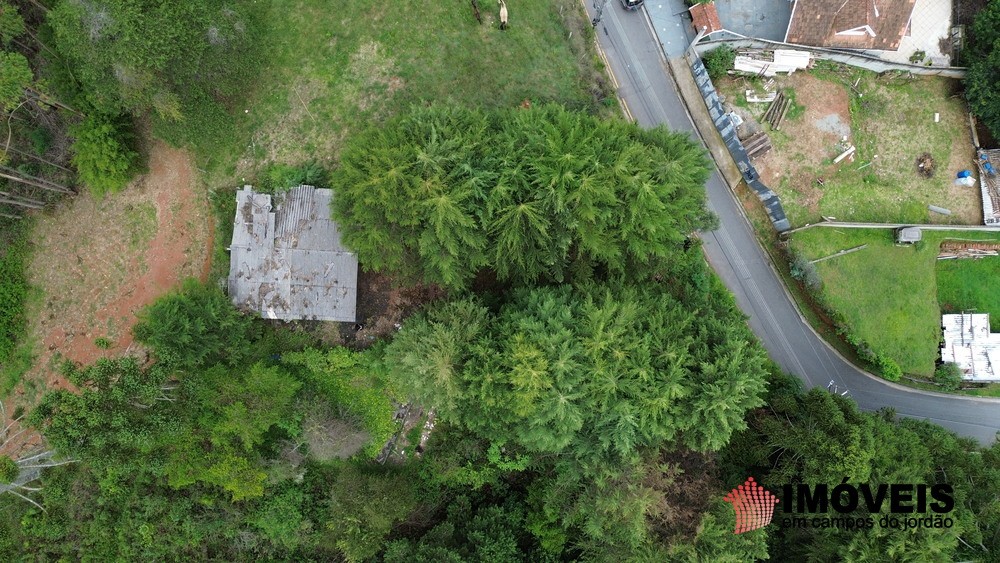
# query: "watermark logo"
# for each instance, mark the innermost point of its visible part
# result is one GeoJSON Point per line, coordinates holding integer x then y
{"type": "Point", "coordinates": [844, 505]}
{"type": "Point", "coordinates": [754, 506]}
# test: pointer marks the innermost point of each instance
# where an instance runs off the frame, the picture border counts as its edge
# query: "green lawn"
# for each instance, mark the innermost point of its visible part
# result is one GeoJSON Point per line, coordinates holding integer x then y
{"type": "Point", "coordinates": [888, 295]}
{"type": "Point", "coordinates": [337, 67]}
{"type": "Point", "coordinates": [965, 285]}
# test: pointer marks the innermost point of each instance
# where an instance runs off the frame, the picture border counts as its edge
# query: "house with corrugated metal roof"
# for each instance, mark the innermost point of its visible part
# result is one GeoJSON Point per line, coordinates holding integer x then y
{"type": "Point", "coordinates": [287, 260]}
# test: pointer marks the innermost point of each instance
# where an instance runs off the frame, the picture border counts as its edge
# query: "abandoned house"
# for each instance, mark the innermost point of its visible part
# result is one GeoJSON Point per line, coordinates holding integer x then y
{"type": "Point", "coordinates": [287, 261]}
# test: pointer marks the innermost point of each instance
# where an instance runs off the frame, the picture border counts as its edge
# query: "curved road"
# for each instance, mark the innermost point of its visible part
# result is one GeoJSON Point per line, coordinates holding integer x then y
{"type": "Point", "coordinates": [644, 83]}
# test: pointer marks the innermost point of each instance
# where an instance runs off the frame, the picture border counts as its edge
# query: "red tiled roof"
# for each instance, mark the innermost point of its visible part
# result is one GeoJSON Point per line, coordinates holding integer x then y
{"type": "Point", "coordinates": [823, 23]}
{"type": "Point", "coordinates": [705, 15]}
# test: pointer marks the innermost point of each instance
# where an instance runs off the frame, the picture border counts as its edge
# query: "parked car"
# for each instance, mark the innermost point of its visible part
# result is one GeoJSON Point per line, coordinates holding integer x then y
{"type": "Point", "coordinates": [632, 4]}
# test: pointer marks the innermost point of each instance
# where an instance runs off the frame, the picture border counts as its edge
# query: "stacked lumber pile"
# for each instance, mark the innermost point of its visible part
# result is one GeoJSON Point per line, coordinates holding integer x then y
{"type": "Point", "coordinates": [757, 144]}
{"type": "Point", "coordinates": [776, 111]}
{"type": "Point", "coordinates": [951, 250]}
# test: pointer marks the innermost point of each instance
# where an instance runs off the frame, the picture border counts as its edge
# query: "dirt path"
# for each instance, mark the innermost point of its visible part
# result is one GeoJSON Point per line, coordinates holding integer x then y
{"type": "Point", "coordinates": [97, 263]}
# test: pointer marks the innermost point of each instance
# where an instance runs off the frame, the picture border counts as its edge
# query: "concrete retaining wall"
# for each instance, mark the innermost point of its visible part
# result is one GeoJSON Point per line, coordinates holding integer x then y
{"type": "Point", "coordinates": [771, 201]}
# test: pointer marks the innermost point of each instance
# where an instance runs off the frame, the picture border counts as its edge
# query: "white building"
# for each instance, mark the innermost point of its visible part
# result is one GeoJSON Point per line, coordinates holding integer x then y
{"type": "Point", "coordinates": [969, 343]}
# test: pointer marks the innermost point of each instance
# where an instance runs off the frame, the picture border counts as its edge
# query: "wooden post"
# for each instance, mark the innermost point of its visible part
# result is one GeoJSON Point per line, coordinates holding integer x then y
{"type": "Point", "coordinates": [972, 126]}
{"type": "Point", "coordinates": [840, 253]}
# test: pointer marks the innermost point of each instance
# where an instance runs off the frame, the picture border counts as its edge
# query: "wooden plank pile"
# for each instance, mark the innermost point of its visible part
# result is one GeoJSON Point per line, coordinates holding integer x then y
{"type": "Point", "coordinates": [951, 250]}
{"type": "Point", "coordinates": [776, 111]}
{"type": "Point", "coordinates": [757, 144]}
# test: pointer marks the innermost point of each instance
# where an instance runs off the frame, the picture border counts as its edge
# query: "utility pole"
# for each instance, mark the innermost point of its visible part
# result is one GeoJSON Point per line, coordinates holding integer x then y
{"type": "Point", "coordinates": [599, 6]}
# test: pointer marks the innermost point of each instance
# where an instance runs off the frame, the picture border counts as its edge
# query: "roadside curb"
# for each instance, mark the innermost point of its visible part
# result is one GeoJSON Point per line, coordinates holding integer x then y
{"type": "Point", "coordinates": [684, 82]}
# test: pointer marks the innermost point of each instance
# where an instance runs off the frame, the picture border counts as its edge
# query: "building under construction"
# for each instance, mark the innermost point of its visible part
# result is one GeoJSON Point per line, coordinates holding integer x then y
{"type": "Point", "coordinates": [969, 343]}
{"type": "Point", "coordinates": [988, 162]}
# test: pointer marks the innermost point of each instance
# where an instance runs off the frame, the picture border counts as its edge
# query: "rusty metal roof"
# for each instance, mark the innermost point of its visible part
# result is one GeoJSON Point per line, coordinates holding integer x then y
{"type": "Point", "coordinates": [850, 24]}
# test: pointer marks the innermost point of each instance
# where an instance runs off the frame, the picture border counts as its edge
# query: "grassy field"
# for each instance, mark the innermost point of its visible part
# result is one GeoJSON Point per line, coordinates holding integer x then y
{"type": "Point", "coordinates": [888, 294]}
{"type": "Point", "coordinates": [965, 285]}
{"type": "Point", "coordinates": [334, 69]}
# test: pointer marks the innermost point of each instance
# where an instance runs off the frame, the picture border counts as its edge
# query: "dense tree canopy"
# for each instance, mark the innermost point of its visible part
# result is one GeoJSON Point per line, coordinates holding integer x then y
{"type": "Point", "coordinates": [542, 193]}
{"type": "Point", "coordinates": [983, 58]}
{"type": "Point", "coordinates": [820, 437]}
{"type": "Point", "coordinates": [599, 372]}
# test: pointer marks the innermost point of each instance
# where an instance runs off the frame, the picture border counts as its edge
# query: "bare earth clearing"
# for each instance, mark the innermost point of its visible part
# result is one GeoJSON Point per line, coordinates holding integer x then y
{"type": "Point", "coordinates": [894, 119]}
{"type": "Point", "coordinates": [97, 263]}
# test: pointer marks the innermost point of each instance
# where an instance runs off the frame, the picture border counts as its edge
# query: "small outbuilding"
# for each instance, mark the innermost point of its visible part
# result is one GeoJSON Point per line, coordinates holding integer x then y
{"type": "Point", "coordinates": [908, 235]}
{"type": "Point", "coordinates": [705, 16]}
{"type": "Point", "coordinates": [287, 260]}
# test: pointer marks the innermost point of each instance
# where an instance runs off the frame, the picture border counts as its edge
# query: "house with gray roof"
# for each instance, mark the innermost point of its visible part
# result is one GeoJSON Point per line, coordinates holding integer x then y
{"type": "Point", "coordinates": [287, 260]}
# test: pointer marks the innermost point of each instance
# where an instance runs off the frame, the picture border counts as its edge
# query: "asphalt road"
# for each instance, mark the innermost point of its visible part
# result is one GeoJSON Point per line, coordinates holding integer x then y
{"type": "Point", "coordinates": [648, 90]}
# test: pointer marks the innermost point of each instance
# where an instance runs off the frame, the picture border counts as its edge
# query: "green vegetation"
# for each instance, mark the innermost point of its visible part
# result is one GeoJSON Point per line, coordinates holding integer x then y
{"type": "Point", "coordinates": [983, 59]}
{"type": "Point", "coordinates": [884, 298]}
{"type": "Point", "coordinates": [719, 61]}
{"type": "Point", "coordinates": [102, 156]}
{"type": "Point", "coordinates": [352, 382]}
{"type": "Point", "coordinates": [14, 254]}
{"type": "Point", "coordinates": [820, 437]}
{"type": "Point", "coordinates": [177, 63]}
{"type": "Point", "coordinates": [970, 285]}
{"type": "Point", "coordinates": [9, 470]}
{"type": "Point", "coordinates": [331, 73]}
{"type": "Point", "coordinates": [948, 375]}
{"type": "Point", "coordinates": [544, 193]}
{"type": "Point", "coordinates": [592, 405]}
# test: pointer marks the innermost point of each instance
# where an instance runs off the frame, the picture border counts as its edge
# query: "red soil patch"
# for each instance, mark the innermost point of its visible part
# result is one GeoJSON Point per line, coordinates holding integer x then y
{"type": "Point", "coordinates": [98, 263]}
{"type": "Point", "coordinates": [811, 140]}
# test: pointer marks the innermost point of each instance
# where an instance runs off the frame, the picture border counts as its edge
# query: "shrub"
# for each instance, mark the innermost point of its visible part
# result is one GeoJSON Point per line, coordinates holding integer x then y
{"type": "Point", "coordinates": [718, 61]}
{"type": "Point", "coordinates": [279, 177]}
{"type": "Point", "coordinates": [101, 153]}
{"type": "Point", "coordinates": [195, 327]}
{"type": "Point", "coordinates": [804, 271]}
{"type": "Point", "coordinates": [890, 369]}
{"type": "Point", "coordinates": [949, 376]}
{"type": "Point", "coordinates": [8, 470]}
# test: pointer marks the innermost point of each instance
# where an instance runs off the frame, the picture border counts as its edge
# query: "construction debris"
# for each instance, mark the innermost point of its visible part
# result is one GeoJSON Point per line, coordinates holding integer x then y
{"type": "Point", "coordinates": [848, 153]}
{"type": "Point", "coordinates": [757, 145]}
{"type": "Point", "coordinates": [988, 162]}
{"type": "Point", "coordinates": [940, 210]}
{"type": "Point", "coordinates": [951, 249]}
{"type": "Point", "coordinates": [783, 60]}
{"type": "Point", "coordinates": [753, 98]}
{"type": "Point", "coordinates": [776, 111]}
